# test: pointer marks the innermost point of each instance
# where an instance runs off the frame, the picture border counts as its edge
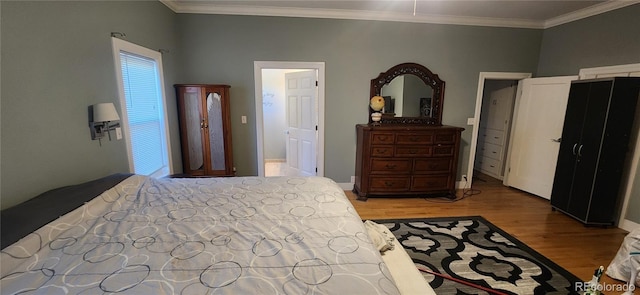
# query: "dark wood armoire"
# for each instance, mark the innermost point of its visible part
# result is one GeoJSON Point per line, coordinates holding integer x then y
{"type": "Point", "coordinates": [205, 129]}
{"type": "Point", "coordinates": [593, 148]}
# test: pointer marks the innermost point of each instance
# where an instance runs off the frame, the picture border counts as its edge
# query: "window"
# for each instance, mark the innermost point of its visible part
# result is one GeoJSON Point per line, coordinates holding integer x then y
{"type": "Point", "coordinates": [142, 101]}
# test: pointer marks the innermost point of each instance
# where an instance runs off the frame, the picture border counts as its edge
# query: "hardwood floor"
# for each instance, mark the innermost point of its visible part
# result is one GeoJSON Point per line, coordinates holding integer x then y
{"type": "Point", "coordinates": [529, 218]}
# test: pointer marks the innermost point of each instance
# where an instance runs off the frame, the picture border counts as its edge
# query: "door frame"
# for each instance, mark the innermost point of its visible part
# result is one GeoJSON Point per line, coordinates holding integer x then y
{"type": "Point", "coordinates": [476, 117]}
{"type": "Point", "coordinates": [258, 66]}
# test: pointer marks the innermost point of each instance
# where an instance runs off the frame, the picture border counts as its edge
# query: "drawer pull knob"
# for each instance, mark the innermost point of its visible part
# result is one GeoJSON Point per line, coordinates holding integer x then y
{"type": "Point", "coordinates": [390, 166]}
{"type": "Point", "coordinates": [388, 183]}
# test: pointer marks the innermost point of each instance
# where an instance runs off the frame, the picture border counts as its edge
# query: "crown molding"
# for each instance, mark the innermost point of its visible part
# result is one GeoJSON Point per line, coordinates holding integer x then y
{"type": "Point", "coordinates": [201, 7]}
{"type": "Point", "coordinates": [587, 12]}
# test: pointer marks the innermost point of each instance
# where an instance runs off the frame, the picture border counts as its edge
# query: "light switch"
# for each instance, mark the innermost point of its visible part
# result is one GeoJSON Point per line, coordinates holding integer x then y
{"type": "Point", "coordinates": [118, 133]}
{"type": "Point", "coordinates": [244, 119]}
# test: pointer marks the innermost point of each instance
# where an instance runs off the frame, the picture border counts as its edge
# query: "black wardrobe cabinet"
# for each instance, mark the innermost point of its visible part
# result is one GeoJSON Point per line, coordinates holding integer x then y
{"type": "Point", "coordinates": [595, 143]}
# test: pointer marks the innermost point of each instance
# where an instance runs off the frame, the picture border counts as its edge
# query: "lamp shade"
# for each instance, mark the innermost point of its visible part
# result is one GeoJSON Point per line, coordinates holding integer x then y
{"type": "Point", "coordinates": [104, 112]}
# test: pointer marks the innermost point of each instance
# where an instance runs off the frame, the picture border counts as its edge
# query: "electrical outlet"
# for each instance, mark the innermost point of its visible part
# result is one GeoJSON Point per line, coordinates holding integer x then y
{"type": "Point", "coordinates": [353, 179]}
{"type": "Point", "coordinates": [471, 121]}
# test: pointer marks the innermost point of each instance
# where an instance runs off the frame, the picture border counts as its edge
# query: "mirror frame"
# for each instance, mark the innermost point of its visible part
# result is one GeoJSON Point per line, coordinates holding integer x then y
{"type": "Point", "coordinates": [427, 77]}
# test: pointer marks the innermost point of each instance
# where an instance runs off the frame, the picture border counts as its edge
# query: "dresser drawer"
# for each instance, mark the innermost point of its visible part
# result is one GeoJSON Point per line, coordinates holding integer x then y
{"type": "Point", "coordinates": [492, 136]}
{"type": "Point", "coordinates": [430, 183]}
{"type": "Point", "coordinates": [490, 150]}
{"type": "Point", "coordinates": [414, 138]}
{"type": "Point", "coordinates": [390, 184]}
{"type": "Point", "coordinates": [413, 151]}
{"type": "Point", "coordinates": [489, 165]}
{"type": "Point", "coordinates": [382, 151]}
{"type": "Point", "coordinates": [390, 166]}
{"type": "Point", "coordinates": [433, 165]}
{"type": "Point", "coordinates": [443, 150]}
{"type": "Point", "coordinates": [382, 138]}
{"type": "Point", "coordinates": [445, 137]}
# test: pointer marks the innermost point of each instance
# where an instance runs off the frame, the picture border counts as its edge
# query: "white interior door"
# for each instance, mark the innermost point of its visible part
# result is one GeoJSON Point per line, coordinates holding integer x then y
{"type": "Point", "coordinates": [302, 121]}
{"type": "Point", "coordinates": [535, 135]}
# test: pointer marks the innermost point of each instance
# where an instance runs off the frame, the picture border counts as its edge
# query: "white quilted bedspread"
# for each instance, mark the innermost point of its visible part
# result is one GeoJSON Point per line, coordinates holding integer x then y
{"type": "Point", "coordinates": [241, 235]}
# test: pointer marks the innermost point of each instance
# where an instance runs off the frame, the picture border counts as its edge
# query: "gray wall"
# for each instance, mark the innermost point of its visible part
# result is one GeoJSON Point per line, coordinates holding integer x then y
{"type": "Point", "coordinates": [56, 62]}
{"type": "Point", "coordinates": [612, 38]}
{"type": "Point", "coordinates": [222, 49]}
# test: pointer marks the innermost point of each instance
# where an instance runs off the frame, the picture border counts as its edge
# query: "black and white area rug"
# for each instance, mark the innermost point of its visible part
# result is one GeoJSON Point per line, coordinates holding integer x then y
{"type": "Point", "coordinates": [476, 251]}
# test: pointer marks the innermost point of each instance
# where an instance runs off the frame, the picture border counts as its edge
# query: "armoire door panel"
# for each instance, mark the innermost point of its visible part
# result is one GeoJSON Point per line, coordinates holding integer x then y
{"type": "Point", "coordinates": [194, 129]}
{"type": "Point", "coordinates": [215, 131]}
{"type": "Point", "coordinates": [569, 144]}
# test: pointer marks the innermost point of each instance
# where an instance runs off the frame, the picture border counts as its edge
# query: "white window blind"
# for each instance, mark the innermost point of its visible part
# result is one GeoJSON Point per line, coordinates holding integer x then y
{"type": "Point", "coordinates": [143, 98]}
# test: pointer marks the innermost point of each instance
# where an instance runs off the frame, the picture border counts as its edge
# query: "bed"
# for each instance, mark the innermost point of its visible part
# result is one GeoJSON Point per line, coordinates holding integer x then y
{"type": "Point", "coordinates": [238, 235]}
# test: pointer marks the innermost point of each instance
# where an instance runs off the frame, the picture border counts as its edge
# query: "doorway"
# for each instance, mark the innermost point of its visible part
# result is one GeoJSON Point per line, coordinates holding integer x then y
{"type": "Point", "coordinates": [491, 121]}
{"type": "Point", "coordinates": [282, 114]}
{"type": "Point", "coordinates": [494, 126]}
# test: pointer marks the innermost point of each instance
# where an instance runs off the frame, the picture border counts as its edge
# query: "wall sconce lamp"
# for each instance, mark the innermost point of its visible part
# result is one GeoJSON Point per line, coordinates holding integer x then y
{"type": "Point", "coordinates": [103, 115]}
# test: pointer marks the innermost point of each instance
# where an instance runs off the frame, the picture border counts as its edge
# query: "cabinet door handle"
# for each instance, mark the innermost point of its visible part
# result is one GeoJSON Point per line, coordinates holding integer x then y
{"type": "Point", "coordinates": [574, 148]}
{"type": "Point", "coordinates": [580, 151]}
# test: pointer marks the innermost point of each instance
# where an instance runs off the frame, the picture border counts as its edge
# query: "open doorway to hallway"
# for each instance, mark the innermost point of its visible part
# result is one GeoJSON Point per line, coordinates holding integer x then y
{"type": "Point", "coordinates": [494, 126]}
{"type": "Point", "coordinates": [492, 119]}
{"type": "Point", "coordinates": [290, 118]}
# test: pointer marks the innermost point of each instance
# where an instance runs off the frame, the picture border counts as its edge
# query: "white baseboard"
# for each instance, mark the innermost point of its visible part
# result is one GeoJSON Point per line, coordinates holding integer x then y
{"type": "Point", "coordinates": [628, 225]}
{"type": "Point", "coordinates": [347, 186]}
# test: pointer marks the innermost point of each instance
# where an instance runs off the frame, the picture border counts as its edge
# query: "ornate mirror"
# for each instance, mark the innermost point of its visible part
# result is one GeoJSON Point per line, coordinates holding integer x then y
{"type": "Point", "coordinates": [412, 95]}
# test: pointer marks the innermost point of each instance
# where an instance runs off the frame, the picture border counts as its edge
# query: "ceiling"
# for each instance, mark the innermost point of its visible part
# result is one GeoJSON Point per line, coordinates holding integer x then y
{"type": "Point", "coordinates": [536, 14]}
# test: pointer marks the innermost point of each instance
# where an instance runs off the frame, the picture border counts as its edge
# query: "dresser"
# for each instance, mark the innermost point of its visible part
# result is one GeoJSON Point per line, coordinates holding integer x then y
{"type": "Point", "coordinates": [396, 160]}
